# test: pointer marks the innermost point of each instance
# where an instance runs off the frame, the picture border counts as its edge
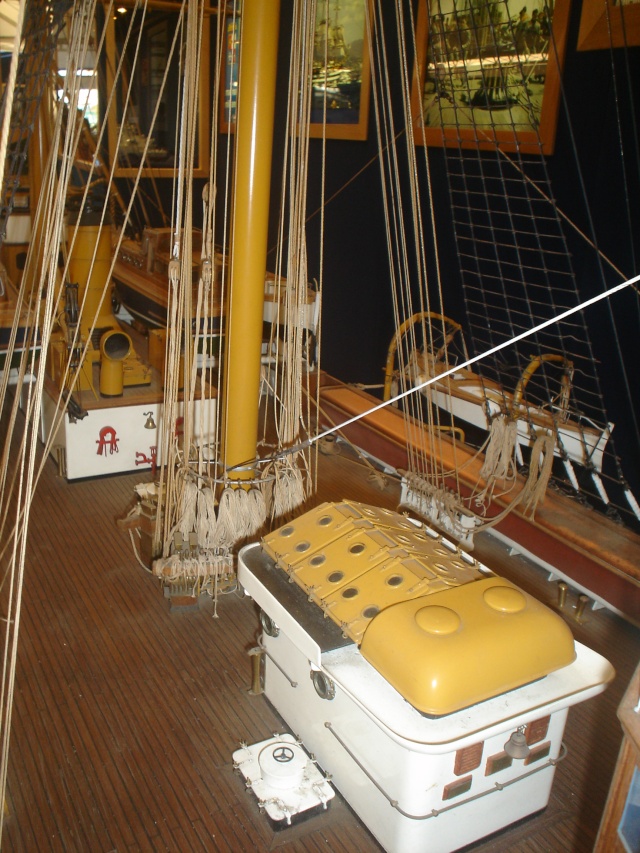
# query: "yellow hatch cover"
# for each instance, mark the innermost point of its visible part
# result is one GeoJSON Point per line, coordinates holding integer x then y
{"type": "Point", "coordinates": [355, 560]}
{"type": "Point", "coordinates": [465, 645]}
{"type": "Point", "coordinates": [393, 584]}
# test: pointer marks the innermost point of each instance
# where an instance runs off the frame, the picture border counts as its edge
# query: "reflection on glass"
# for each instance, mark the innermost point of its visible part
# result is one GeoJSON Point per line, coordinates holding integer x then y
{"type": "Point", "coordinates": [486, 64]}
{"type": "Point", "coordinates": [338, 61]}
{"type": "Point", "coordinates": [149, 89]}
{"type": "Point", "coordinates": [232, 55]}
{"type": "Point", "coordinates": [629, 828]}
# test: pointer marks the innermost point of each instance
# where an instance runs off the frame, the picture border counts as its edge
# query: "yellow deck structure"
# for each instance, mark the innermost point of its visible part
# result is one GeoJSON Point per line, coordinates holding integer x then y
{"type": "Point", "coordinates": [439, 626]}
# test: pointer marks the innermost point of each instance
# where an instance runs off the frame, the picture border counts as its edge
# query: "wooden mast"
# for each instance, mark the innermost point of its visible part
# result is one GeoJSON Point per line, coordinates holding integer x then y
{"type": "Point", "coordinates": [254, 144]}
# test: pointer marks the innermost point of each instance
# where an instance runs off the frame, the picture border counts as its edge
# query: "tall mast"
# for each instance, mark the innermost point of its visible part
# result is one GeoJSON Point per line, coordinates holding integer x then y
{"type": "Point", "coordinates": [254, 144]}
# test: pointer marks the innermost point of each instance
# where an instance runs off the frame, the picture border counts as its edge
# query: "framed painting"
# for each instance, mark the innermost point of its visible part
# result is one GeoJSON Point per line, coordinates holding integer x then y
{"type": "Point", "coordinates": [341, 70]}
{"type": "Point", "coordinates": [609, 23]}
{"type": "Point", "coordinates": [487, 73]}
{"type": "Point", "coordinates": [229, 101]}
{"type": "Point", "coordinates": [341, 79]}
{"type": "Point", "coordinates": [143, 121]}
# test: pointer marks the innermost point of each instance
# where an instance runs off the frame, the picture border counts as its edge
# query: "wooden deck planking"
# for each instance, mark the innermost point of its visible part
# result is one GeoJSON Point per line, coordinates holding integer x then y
{"type": "Point", "coordinates": [127, 713]}
{"type": "Point", "coordinates": [53, 739]}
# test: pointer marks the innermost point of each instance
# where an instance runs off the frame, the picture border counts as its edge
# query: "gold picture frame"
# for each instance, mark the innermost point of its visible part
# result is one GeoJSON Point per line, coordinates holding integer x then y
{"type": "Point", "coordinates": [464, 75]}
{"type": "Point", "coordinates": [604, 24]}
{"type": "Point", "coordinates": [144, 91]}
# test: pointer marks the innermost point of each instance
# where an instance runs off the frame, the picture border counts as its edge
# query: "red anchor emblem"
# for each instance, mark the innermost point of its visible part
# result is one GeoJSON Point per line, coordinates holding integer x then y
{"type": "Point", "coordinates": [107, 439]}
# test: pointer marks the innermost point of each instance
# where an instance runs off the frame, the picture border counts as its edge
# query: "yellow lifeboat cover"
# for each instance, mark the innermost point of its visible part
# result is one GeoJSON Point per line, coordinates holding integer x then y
{"type": "Point", "coordinates": [439, 626]}
{"type": "Point", "coordinates": [466, 644]}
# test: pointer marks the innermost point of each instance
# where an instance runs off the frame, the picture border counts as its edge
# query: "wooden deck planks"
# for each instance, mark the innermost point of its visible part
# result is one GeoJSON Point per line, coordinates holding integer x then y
{"type": "Point", "coordinates": [127, 713]}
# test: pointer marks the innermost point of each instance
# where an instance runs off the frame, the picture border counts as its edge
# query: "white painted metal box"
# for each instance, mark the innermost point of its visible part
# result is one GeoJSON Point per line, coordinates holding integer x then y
{"type": "Point", "coordinates": [417, 782]}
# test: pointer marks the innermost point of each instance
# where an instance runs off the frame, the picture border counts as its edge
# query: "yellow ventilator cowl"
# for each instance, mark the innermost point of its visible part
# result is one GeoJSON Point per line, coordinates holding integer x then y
{"type": "Point", "coordinates": [115, 347]}
{"type": "Point", "coordinates": [463, 645]}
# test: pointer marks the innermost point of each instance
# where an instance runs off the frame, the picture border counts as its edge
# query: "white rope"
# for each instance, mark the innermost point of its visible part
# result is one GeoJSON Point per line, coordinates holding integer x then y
{"type": "Point", "coordinates": [285, 487]}
{"type": "Point", "coordinates": [206, 521]}
{"type": "Point", "coordinates": [23, 488]}
{"type": "Point", "coordinates": [10, 87]}
{"type": "Point", "coordinates": [182, 454]}
{"type": "Point", "coordinates": [499, 461]}
{"type": "Point", "coordinates": [187, 509]}
{"type": "Point", "coordinates": [539, 472]}
{"type": "Point", "coordinates": [241, 513]}
{"type": "Point", "coordinates": [399, 216]}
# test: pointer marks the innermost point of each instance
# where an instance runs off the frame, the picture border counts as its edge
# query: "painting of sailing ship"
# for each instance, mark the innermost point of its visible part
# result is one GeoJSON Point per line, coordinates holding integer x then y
{"type": "Point", "coordinates": [338, 71]}
{"type": "Point", "coordinates": [340, 84]}
{"type": "Point", "coordinates": [491, 70]}
{"type": "Point", "coordinates": [481, 58]}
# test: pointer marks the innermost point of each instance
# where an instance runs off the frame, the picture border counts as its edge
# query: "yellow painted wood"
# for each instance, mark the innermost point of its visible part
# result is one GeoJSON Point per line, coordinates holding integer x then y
{"type": "Point", "coordinates": [254, 143]}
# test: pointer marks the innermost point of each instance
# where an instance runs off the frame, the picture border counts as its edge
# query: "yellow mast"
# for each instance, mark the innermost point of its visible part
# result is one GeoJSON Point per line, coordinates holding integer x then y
{"type": "Point", "coordinates": [254, 143]}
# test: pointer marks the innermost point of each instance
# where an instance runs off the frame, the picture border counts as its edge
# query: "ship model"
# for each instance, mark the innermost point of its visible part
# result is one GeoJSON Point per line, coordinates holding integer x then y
{"type": "Point", "coordinates": [433, 693]}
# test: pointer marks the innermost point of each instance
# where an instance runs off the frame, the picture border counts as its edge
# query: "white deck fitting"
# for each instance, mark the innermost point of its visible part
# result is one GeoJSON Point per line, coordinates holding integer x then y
{"type": "Point", "coordinates": [115, 439]}
{"type": "Point", "coordinates": [283, 777]}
